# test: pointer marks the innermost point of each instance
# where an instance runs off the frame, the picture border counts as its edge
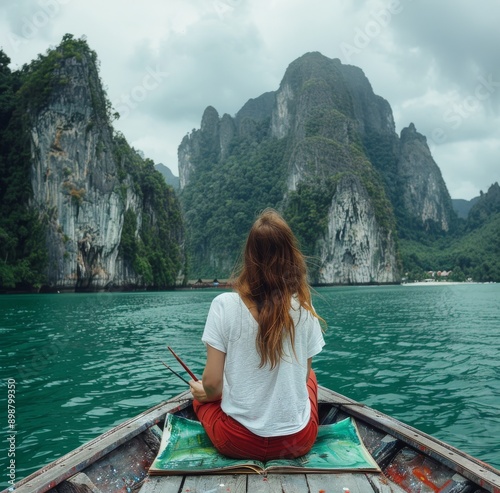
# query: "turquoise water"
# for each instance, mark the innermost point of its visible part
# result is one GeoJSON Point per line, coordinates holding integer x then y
{"type": "Point", "coordinates": [428, 355]}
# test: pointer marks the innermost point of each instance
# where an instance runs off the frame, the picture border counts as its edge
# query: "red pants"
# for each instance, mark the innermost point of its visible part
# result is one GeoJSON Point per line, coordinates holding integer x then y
{"type": "Point", "coordinates": [232, 439]}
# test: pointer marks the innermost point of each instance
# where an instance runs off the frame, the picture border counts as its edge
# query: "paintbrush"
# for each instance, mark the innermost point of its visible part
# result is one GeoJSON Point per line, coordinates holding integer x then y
{"type": "Point", "coordinates": [175, 373]}
{"type": "Point", "coordinates": [186, 367]}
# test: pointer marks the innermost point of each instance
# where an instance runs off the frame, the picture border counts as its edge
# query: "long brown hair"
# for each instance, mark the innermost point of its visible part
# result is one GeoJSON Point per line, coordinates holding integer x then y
{"type": "Point", "coordinates": [272, 272]}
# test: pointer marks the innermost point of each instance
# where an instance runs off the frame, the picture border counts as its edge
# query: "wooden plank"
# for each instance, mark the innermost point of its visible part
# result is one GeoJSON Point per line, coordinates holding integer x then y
{"type": "Point", "coordinates": [65, 467]}
{"type": "Point", "coordinates": [162, 484]}
{"type": "Point", "coordinates": [79, 483]}
{"type": "Point", "coordinates": [381, 484]}
{"type": "Point", "coordinates": [80, 459]}
{"type": "Point", "coordinates": [356, 482]}
{"type": "Point", "coordinates": [282, 483]}
{"type": "Point", "coordinates": [236, 483]}
{"type": "Point", "coordinates": [477, 471]}
{"type": "Point", "coordinates": [125, 466]}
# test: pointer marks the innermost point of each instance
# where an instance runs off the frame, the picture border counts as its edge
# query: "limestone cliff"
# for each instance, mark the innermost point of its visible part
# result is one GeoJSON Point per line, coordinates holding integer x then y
{"type": "Point", "coordinates": [341, 173]}
{"type": "Point", "coordinates": [206, 139]}
{"type": "Point", "coordinates": [354, 249]}
{"type": "Point", "coordinates": [85, 178]}
{"type": "Point", "coordinates": [424, 193]}
{"type": "Point", "coordinates": [211, 143]}
{"type": "Point", "coordinates": [326, 107]}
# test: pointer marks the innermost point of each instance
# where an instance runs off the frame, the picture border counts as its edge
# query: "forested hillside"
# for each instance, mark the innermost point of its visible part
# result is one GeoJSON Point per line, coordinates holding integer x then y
{"type": "Point", "coordinates": [23, 254]}
{"type": "Point", "coordinates": [471, 252]}
{"type": "Point", "coordinates": [222, 205]}
{"type": "Point", "coordinates": [82, 210]}
{"type": "Point", "coordinates": [323, 150]}
{"type": "Point", "coordinates": [79, 208]}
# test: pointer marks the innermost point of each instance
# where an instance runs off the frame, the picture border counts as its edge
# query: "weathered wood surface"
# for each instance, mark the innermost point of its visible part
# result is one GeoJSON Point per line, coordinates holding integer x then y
{"type": "Point", "coordinates": [357, 483]}
{"type": "Point", "coordinates": [272, 483]}
{"type": "Point", "coordinates": [469, 467]}
{"type": "Point", "coordinates": [283, 483]}
{"type": "Point", "coordinates": [76, 461]}
{"type": "Point", "coordinates": [215, 484]}
{"type": "Point", "coordinates": [79, 483]}
{"type": "Point", "coordinates": [162, 484]}
{"type": "Point", "coordinates": [109, 460]}
{"type": "Point", "coordinates": [125, 466]}
{"type": "Point", "coordinates": [382, 485]}
{"type": "Point", "coordinates": [193, 484]}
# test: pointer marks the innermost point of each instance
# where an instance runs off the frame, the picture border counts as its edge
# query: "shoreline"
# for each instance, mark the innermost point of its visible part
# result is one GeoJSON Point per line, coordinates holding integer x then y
{"type": "Point", "coordinates": [440, 283]}
{"type": "Point", "coordinates": [225, 285]}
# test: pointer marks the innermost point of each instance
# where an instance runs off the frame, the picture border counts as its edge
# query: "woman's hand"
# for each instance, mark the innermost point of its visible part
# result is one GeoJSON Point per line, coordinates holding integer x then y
{"type": "Point", "coordinates": [209, 389]}
{"type": "Point", "coordinates": [198, 391]}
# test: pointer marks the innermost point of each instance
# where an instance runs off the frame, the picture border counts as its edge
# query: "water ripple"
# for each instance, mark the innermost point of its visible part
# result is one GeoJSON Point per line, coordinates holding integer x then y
{"type": "Point", "coordinates": [426, 355]}
{"type": "Point", "coordinates": [84, 363]}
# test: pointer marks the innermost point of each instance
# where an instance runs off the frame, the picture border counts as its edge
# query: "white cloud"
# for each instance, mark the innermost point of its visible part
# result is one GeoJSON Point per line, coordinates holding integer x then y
{"type": "Point", "coordinates": [469, 163]}
{"type": "Point", "coordinates": [426, 58]}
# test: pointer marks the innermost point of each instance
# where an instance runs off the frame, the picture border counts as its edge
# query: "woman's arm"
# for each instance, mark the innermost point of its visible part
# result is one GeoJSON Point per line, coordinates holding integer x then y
{"type": "Point", "coordinates": [210, 388]}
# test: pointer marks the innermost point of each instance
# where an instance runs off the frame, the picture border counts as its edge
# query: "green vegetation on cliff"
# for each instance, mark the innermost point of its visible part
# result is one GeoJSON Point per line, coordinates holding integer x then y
{"type": "Point", "coordinates": [472, 252]}
{"type": "Point", "coordinates": [155, 253]}
{"type": "Point", "coordinates": [151, 244]}
{"type": "Point", "coordinates": [23, 254]}
{"type": "Point", "coordinates": [319, 144]}
{"type": "Point", "coordinates": [485, 208]}
{"type": "Point", "coordinates": [329, 161]}
{"type": "Point", "coordinates": [42, 78]}
{"type": "Point", "coordinates": [222, 199]}
{"type": "Point", "coordinates": [307, 212]}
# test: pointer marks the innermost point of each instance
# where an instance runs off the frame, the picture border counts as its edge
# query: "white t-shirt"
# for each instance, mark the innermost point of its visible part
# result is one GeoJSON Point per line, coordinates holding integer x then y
{"type": "Point", "coordinates": [267, 402]}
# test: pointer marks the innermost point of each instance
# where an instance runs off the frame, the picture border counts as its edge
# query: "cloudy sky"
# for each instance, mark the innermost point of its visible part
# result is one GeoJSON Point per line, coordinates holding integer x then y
{"type": "Point", "coordinates": [164, 61]}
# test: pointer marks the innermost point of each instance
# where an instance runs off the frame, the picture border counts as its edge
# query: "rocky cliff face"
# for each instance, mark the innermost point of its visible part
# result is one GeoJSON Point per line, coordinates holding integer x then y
{"type": "Point", "coordinates": [355, 249]}
{"type": "Point", "coordinates": [170, 178]}
{"type": "Point", "coordinates": [74, 181]}
{"type": "Point", "coordinates": [80, 185]}
{"type": "Point", "coordinates": [424, 193]}
{"type": "Point", "coordinates": [215, 135]}
{"type": "Point", "coordinates": [370, 111]}
{"type": "Point", "coordinates": [345, 171]}
{"type": "Point", "coordinates": [207, 140]}
{"type": "Point", "coordinates": [325, 107]}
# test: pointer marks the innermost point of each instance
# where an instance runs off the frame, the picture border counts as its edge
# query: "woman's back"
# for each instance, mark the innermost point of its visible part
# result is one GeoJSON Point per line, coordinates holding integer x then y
{"type": "Point", "coordinates": [267, 401]}
{"type": "Point", "coordinates": [258, 397]}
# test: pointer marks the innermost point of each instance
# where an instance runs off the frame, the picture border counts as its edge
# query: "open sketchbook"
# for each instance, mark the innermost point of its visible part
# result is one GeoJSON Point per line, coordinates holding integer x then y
{"type": "Point", "coordinates": [186, 449]}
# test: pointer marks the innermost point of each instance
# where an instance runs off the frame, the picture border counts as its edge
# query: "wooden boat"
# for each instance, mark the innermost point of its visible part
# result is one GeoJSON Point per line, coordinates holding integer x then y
{"type": "Point", "coordinates": [410, 460]}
